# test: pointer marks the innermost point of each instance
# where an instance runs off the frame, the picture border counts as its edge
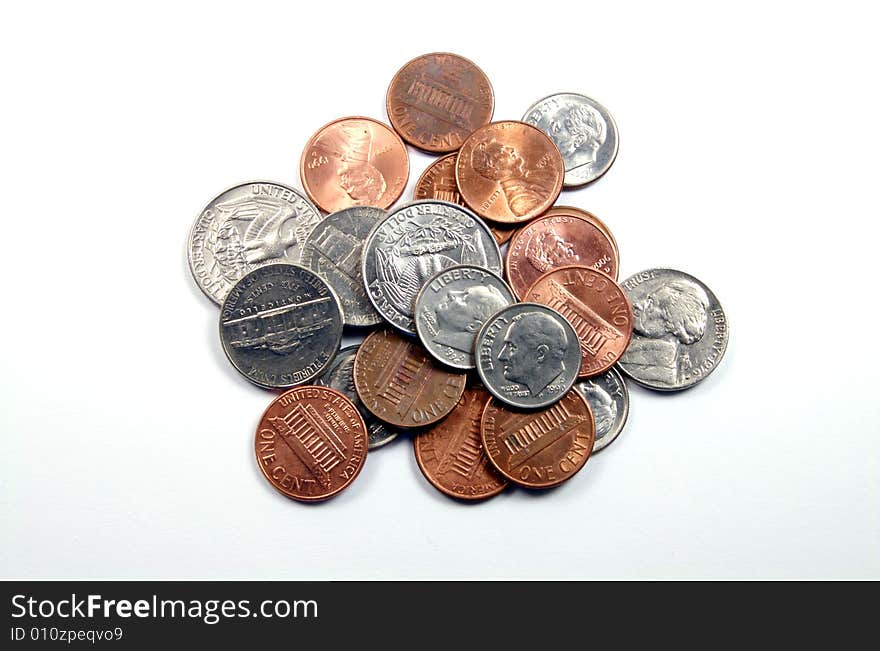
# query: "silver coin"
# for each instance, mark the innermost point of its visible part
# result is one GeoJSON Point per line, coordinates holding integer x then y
{"type": "Point", "coordinates": [246, 227]}
{"type": "Point", "coordinates": [334, 250]}
{"type": "Point", "coordinates": [452, 307]}
{"type": "Point", "coordinates": [609, 402]}
{"type": "Point", "coordinates": [280, 326]}
{"type": "Point", "coordinates": [528, 355]}
{"type": "Point", "coordinates": [679, 330]}
{"type": "Point", "coordinates": [340, 376]}
{"type": "Point", "coordinates": [583, 130]}
{"type": "Point", "coordinates": [412, 244]}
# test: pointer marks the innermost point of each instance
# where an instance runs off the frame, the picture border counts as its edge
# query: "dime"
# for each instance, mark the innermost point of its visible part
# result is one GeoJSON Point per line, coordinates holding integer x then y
{"type": "Point", "coordinates": [397, 381]}
{"type": "Point", "coordinates": [583, 130]}
{"type": "Point", "coordinates": [436, 100]}
{"type": "Point", "coordinates": [539, 449]}
{"type": "Point", "coordinates": [438, 182]}
{"type": "Point", "coordinates": [280, 326]}
{"type": "Point", "coordinates": [527, 355]}
{"type": "Point", "coordinates": [248, 226]}
{"type": "Point", "coordinates": [412, 244]}
{"type": "Point", "coordinates": [450, 454]}
{"type": "Point", "coordinates": [680, 331]}
{"type": "Point", "coordinates": [334, 251]}
{"type": "Point", "coordinates": [340, 376]}
{"type": "Point", "coordinates": [311, 443]}
{"type": "Point", "coordinates": [354, 162]}
{"type": "Point", "coordinates": [509, 172]}
{"type": "Point", "coordinates": [452, 307]}
{"type": "Point", "coordinates": [608, 398]}
{"type": "Point", "coordinates": [597, 309]}
{"type": "Point", "coordinates": [559, 238]}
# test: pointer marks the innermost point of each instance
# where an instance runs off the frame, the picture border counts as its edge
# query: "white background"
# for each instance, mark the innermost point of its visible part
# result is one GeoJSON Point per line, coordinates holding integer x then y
{"type": "Point", "coordinates": [748, 157]}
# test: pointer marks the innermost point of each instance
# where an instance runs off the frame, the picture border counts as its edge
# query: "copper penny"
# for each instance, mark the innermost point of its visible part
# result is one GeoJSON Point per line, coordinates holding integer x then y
{"type": "Point", "coordinates": [597, 309]}
{"type": "Point", "coordinates": [311, 443]}
{"type": "Point", "coordinates": [451, 455]}
{"type": "Point", "coordinates": [590, 217]}
{"type": "Point", "coordinates": [398, 382]}
{"type": "Point", "coordinates": [560, 238]}
{"type": "Point", "coordinates": [539, 449]}
{"type": "Point", "coordinates": [436, 100]}
{"type": "Point", "coordinates": [354, 162]}
{"type": "Point", "coordinates": [509, 172]}
{"type": "Point", "coordinates": [438, 182]}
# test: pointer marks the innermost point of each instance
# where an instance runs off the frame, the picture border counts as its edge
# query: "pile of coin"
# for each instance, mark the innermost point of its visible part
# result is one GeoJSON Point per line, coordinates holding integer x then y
{"type": "Point", "coordinates": [503, 368]}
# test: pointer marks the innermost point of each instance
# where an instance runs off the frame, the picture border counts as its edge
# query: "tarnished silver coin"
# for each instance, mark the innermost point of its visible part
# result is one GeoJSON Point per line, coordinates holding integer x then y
{"type": "Point", "coordinates": [679, 330]}
{"type": "Point", "coordinates": [412, 244]}
{"type": "Point", "coordinates": [452, 307]}
{"type": "Point", "coordinates": [340, 376]}
{"type": "Point", "coordinates": [334, 250]}
{"type": "Point", "coordinates": [528, 355]}
{"type": "Point", "coordinates": [246, 227]}
{"type": "Point", "coordinates": [609, 402]}
{"type": "Point", "coordinates": [583, 130]}
{"type": "Point", "coordinates": [280, 326]}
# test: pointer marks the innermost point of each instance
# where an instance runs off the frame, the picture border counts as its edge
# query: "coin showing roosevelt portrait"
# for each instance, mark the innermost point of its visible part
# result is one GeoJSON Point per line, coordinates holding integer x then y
{"type": "Point", "coordinates": [528, 355]}
{"type": "Point", "coordinates": [452, 307]}
{"type": "Point", "coordinates": [679, 330]}
{"type": "Point", "coordinates": [582, 129]}
{"type": "Point", "coordinates": [609, 403]}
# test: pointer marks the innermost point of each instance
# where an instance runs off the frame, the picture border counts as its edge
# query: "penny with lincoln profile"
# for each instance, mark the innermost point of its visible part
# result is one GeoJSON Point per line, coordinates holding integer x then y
{"type": "Point", "coordinates": [450, 454]}
{"type": "Point", "coordinates": [595, 306]}
{"type": "Point", "coordinates": [561, 237]}
{"type": "Point", "coordinates": [311, 443]}
{"type": "Point", "coordinates": [436, 100]}
{"type": "Point", "coordinates": [509, 172]}
{"type": "Point", "coordinates": [398, 382]}
{"type": "Point", "coordinates": [354, 161]}
{"type": "Point", "coordinates": [438, 182]}
{"type": "Point", "coordinates": [539, 449]}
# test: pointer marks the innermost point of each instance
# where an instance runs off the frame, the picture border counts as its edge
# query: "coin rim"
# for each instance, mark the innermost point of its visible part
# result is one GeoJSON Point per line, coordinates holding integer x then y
{"type": "Point", "coordinates": [421, 293]}
{"type": "Point", "coordinates": [198, 218]}
{"type": "Point", "coordinates": [320, 371]}
{"type": "Point", "coordinates": [413, 60]}
{"type": "Point", "coordinates": [481, 372]}
{"type": "Point", "coordinates": [347, 483]}
{"type": "Point", "coordinates": [302, 161]}
{"type": "Point", "coordinates": [616, 139]}
{"type": "Point", "coordinates": [609, 438]}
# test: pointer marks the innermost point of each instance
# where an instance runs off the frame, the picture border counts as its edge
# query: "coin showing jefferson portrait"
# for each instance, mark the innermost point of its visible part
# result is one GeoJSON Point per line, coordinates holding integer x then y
{"type": "Point", "coordinates": [412, 244]}
{"type": "Point", "coordinates": [527, 355]}
{"type": "Point", "coordinates": [245, 227]}
{"type": "Point", "coordinates": [583, 130]}
{"type": "Point", "coordinates": [280, 326]}
{"type": "Point", "coordinates": [680, 331]}
{"type": "Point", "coordinates": [452, 307]}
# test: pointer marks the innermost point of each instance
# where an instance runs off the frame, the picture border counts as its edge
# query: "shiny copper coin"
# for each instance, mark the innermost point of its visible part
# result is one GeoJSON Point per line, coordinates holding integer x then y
{"type": "Point", "coordinates": [451, 455]}
{"type": "Point", "coordinates": [590, 217]}
{"type": "Point", "coordinates": [539, 449]}
{"type": "Point", "coordinates": [354, 162]}
{"type": "Point", "coordinates": [398, 382]}
{"type": "Point", "coordinates": [509, 172]}
{"type": "Point", "coordinates": [436, 100]}
{"type": "Point", "coordinates": [438, 182]}
{"type": "Point", "coordinates": [597, 309]}
{"type": "Point", "coordinates": [311, 443]}
{"type": "Point", "coordinates": [560, 238]}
